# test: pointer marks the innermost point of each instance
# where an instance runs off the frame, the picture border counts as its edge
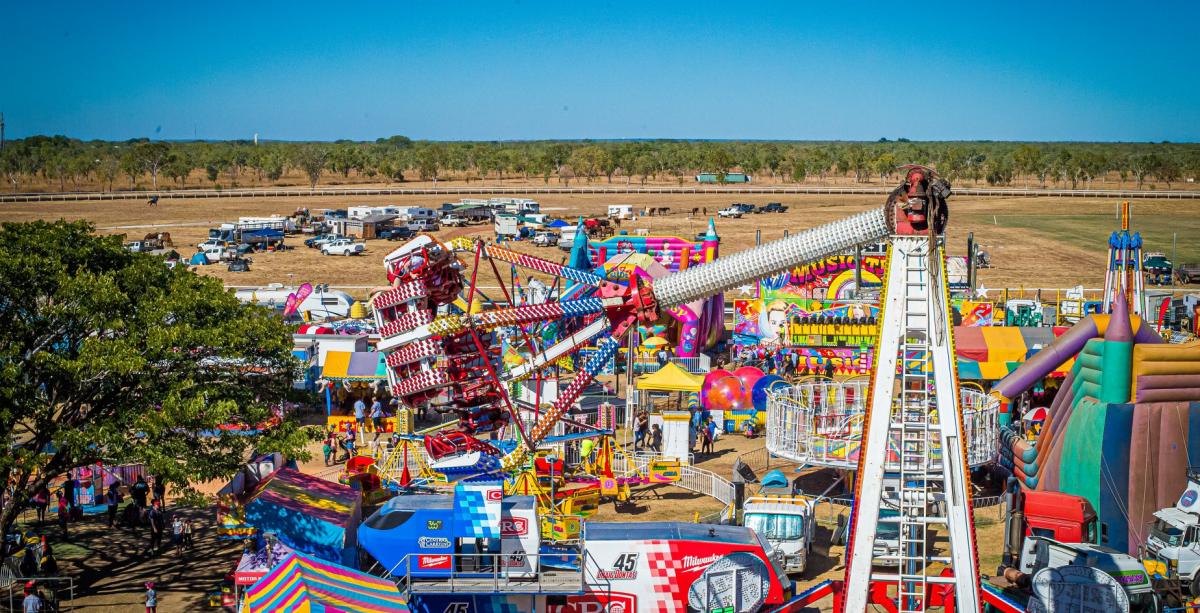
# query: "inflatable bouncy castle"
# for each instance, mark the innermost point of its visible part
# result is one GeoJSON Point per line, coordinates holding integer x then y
{"type": "Point", "coordinates": [1122, 427]}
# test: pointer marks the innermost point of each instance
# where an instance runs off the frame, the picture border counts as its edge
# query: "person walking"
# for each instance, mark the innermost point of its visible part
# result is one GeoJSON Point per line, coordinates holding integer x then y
{"type": "Point", "coordinates": [32, 602]}
{"type": "Point", "coordinates": [188, 530]}
{"type": "Point", "coordinates": [360, 413]}
{"type": "Point", "coordinates": [177, 535]}
{"type": "Point", "coordinates": [140, 492]}
{"type": "Point", "coordinates": [639, 434]}
{"type": "Point", "coordinates": [70, 486]}
{"type": "Point", "coordinates": [327, 450]}
{"type": "Point", "coordinates": [160, 490]}
{"type": "Point", "coordinates": [157, 527]}
{"type": "Point", "coordinates": [709, 434]}
{"type": "Point", "coordinates": [656, 438]}
{"type": "Point", "coordinates": [351, 438]}
{"type": "Point", "coordinates": [64, 514]}
{"type": "Point", "coordinates": [112, 498]}
{"type": "Point", "coordinates": [151, 598]}
{"type": "Point", "coordinates": [377, 416]}
{"type": "Point", "coordinates": [41, 500]}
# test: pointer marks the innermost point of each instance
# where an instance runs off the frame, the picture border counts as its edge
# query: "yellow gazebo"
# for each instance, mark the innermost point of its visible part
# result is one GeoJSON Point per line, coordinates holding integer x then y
{"type": "Point", "coordinates": [670, 378]}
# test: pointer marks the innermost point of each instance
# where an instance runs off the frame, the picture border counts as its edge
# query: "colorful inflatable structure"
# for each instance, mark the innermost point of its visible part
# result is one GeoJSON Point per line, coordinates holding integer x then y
{"type": "Point", "coordinates": [1122, 427]}
{"type": "Point", "coordinates": [700, 323]}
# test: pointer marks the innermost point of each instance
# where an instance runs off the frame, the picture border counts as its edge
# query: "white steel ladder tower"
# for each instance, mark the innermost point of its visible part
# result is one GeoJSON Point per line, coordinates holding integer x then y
{"type": "Point", "coordinates": [914, 403]}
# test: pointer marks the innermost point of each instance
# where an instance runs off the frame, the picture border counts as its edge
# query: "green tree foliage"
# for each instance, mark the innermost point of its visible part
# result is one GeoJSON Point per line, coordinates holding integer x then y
{"type": "Point", "coordinates": [61, 162]}
{"type": "Point", "coordinates": [311, 160]}
{"type": "Point", "coordinates": [107, 355]}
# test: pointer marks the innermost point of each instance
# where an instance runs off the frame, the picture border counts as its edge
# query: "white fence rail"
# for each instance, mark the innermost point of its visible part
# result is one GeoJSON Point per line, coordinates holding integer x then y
{"type": "Point", "coordinates": [498, 190]}
{"type": "Point", "coordinates": [696, 480]}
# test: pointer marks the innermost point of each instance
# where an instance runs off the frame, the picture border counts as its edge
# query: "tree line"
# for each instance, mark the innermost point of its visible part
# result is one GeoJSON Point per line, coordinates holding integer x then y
{"type": "Point", "coordinates": [71, 164]}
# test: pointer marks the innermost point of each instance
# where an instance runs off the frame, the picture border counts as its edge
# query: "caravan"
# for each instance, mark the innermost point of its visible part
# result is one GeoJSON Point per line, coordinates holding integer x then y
{"type": "Point", "coordinates": [320, 304]}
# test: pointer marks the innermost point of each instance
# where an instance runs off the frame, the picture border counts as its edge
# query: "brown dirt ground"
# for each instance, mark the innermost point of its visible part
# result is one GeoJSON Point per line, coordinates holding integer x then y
{"type": "Point", "coordinates": [1021, 258]}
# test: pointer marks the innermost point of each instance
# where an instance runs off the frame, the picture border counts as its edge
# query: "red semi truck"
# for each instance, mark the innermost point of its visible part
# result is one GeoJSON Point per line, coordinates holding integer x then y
{"type": "Point", "coordinates": [1065, 518]}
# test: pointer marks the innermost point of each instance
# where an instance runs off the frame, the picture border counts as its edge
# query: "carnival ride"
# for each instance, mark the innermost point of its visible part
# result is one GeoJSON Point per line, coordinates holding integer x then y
{"type": "Point", "coordinates": [450, 360]}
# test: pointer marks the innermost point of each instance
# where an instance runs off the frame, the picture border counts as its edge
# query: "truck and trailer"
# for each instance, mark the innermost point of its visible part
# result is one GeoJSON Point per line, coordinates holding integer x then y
{"type": "Point", "coordinates": [489, 553]}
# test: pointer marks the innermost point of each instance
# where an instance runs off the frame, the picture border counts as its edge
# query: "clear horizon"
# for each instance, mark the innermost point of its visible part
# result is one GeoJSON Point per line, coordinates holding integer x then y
{"type": "Point", "coordinates": [521, 71]}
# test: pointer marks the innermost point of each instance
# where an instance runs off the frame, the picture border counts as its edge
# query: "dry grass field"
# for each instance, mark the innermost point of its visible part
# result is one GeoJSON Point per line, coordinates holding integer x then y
{"type": "Point", "coordinates": [1034, 242]}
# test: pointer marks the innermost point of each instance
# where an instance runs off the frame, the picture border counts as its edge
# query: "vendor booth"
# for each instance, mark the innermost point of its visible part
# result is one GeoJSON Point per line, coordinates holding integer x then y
{"type": "Point", "coordinates": [350, 375]}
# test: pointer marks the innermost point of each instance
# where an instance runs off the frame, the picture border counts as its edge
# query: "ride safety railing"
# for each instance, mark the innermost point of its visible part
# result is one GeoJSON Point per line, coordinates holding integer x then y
{"type": "Point", "coordinates": [820, 422]}
{"type": "Point", "coordinates": [693, 479]}
{"type": "Point", "coordinates": [507, 572]}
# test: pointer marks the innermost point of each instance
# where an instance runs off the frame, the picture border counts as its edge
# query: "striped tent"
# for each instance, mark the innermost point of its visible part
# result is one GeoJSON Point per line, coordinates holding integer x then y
{"type": "Point", "coordinates": [304, 584]}
{"type": "Point", "coordinates": [989, 353]}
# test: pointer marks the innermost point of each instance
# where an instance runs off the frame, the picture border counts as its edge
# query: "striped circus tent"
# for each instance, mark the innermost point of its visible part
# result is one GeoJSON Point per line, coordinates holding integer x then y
{"type": "Point", "coordinates": [304, 584]}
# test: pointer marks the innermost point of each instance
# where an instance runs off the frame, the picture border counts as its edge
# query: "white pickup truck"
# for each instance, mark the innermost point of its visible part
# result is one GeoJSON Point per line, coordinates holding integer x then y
{"type": "Point", "coordinates": [453, 221]}
{"type": "Point", "coordinates": [342, 246]}
{"type": "Point", "coordinates": [730, 211]}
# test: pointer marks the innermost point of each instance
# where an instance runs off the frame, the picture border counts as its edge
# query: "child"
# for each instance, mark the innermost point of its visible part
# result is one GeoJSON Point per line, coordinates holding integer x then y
{"type": "Point", "coordinates": [151, 598]}
{"type": "Point", "coordinates": [707, 433]}
{"type": "Point", "coordinates": [656, 438]}
{"type": "Point", "coordinates": [64, 512]}
{"type": "Point", "coordinates": [177, 535]}
{"type": "Point", "coordinates": [187, 535]}
{"type": "Point", "coordinates": [327, 450]}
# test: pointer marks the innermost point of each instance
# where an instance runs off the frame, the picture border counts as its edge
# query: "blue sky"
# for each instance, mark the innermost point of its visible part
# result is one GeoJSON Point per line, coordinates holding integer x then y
{"type": "Point", "coordinates": [526, 70]}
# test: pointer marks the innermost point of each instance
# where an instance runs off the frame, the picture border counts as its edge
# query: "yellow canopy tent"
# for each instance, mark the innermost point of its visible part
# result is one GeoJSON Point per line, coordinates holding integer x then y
{"type": "Point", "coordinates": [670, 378]}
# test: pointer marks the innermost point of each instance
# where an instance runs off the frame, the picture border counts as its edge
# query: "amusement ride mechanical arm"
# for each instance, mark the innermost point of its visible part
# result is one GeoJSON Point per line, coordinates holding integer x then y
{"type": "Point", "coordinates": [642, 303]}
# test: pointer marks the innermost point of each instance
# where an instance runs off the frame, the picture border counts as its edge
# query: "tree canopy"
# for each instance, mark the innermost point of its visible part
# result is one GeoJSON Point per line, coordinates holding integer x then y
{"type": "Point", "coordinates": [109, 356]}
{"type": "Point", "coordinates": [67, 163]}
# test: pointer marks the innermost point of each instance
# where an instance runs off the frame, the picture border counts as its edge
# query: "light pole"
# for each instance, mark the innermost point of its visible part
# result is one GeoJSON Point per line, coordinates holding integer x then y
{"type": "Point", "coordinates": [552, 459]}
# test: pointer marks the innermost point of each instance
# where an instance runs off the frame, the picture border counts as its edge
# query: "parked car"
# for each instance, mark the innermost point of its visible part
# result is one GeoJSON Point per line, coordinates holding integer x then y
{"type": "Point", "coordinates": [772, 207]}
{"type": "Point", "coordinates": [545, 239]}
{"type": "Point", "coordinates": [398, 233]}
{"type": "Point", "coordinates": [453, 221]}
{"type": "Point", "coordinates": [1187, 273]}
{"type": "Point", "coordinates": [423, 225]}
{"type": "Point", "coordinates": [745, 208]}
{"type": "Point", "coordinates": [317, 241]}
{"type": "Point", "coordinates": [732, 211]}
{"type": "Point", "coordinates": [343, 246]}
{"type": "Point", "coordinates": [240, 264]}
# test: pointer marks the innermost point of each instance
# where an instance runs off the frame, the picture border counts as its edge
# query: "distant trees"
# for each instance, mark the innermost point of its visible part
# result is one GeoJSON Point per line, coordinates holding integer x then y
{"type": "Point", "coordinates": [60, 162]}
{"type": "Point", "coordinates": [311, 159]}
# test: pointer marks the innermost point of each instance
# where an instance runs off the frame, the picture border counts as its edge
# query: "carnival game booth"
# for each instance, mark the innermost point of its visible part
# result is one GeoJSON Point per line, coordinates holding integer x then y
{"type": "Point", "coordinates": [669, 396]}
{"type": "Point", "coordinates": [349, 376]}
{"type": "Point", "coordinates": [306, 513]}
{"type": "Point", "coordinates": [304, 583]}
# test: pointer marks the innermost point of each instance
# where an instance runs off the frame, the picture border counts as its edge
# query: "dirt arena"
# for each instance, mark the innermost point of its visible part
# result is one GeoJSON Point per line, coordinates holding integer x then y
{"type": "Point", "coordinates": [1034, 242]}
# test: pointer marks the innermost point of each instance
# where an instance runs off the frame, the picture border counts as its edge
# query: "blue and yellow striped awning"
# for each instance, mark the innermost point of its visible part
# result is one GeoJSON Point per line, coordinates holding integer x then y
{"type": "Point", "coordinates": [354, 366]}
